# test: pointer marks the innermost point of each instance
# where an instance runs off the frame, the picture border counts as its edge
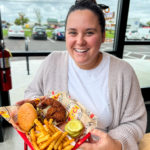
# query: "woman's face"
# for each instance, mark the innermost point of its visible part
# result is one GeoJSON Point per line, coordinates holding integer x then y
{"type": "Point", "coordinates": [84, 38]}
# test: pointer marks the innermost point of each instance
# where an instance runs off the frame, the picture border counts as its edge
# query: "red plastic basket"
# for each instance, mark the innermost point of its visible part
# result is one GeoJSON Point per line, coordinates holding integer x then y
{"type": "Point", "coordinates": [27, 142]}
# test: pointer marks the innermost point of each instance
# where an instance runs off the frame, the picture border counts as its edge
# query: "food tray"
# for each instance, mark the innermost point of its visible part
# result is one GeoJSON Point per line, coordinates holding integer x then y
{"type": "Point", "coordinates": [73, 107]}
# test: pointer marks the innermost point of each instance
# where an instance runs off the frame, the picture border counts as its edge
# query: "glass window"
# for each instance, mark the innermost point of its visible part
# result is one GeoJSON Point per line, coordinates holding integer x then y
{"type": "Point", "coordinates": [31, 13]}
{"type": "Point", "coordinates": [139, 21]}
{"type": "Point", "coordinates": [110, 16]}
{"type": "Point", "coordinates": [46, 13]}
{"type": "Point", "coordinates": [138, 27]}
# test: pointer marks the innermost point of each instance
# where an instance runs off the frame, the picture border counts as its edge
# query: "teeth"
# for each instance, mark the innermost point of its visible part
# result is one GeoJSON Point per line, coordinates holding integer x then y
{"type": "Point", "coordinates": [81, 50]}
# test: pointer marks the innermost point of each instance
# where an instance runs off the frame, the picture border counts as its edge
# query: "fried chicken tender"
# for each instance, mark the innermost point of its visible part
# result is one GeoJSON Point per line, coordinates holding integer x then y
{"type": "Point", "coordinates": [56, 111]}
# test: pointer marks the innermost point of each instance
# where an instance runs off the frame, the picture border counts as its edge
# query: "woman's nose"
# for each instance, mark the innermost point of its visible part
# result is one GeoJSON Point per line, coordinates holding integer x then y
{"type": "Point", "coordinates": [81, 40]}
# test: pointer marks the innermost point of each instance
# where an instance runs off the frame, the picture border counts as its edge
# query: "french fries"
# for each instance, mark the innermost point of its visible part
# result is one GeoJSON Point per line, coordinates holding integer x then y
{"type": "Point", "coordinates": [69, 147]}
{"type": "Point", "coordinates": [59, 140]}
{"type": "Point", "coordinates": [43, 139]}
{"type": "Point", "coordinates": [68, 143]}
{"type": "Point", "coordinates": [52, 145]}
{"type": "Point", "coordinates": [35, 146]}
{"type": "Point", "coordinates": [60, 146]}
{"type": "Point", "coordinates": [32, 134]}
{"type": "Point", "coordinates": [47, 137]}
{"type": "Point", "coordinates": [40, 126]}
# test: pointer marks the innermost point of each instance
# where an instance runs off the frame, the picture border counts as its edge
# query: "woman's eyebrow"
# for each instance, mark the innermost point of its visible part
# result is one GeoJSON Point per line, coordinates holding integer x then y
{"type": "Point", "coordinates": [71, 29]}
{"type": "Point", "coordinates": [93, 29]}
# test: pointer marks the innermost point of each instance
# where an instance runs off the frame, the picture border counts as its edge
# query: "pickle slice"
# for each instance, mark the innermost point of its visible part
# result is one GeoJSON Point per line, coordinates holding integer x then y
{"type": "Point", "coordinates": [75, 135]}
{"type": "Point", "coordinates": [74, 126]}
{"type": "Point", "coordinates": [69, 132]}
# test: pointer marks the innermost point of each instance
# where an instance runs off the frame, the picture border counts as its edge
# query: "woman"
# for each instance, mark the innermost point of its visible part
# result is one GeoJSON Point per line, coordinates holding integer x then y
{"type": "Point", "coordinates": [104, 84]}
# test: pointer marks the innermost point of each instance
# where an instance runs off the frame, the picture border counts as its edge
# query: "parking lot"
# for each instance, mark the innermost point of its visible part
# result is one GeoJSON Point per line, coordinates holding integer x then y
{"type": "Point", "coordinates": [34, 45]}
{"type": "Point", "coordinates": [138, 52]}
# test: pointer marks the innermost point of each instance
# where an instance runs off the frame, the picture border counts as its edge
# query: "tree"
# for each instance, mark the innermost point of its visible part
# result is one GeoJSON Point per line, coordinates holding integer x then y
{"type": "Point", "coordinates": [21, 20]}
{"type": "Point", "coordinates": [18, 21]}
{"type": "Point", "coordinates": [148, 23]}
{"type": "Point", "coordinates": [38, 15]}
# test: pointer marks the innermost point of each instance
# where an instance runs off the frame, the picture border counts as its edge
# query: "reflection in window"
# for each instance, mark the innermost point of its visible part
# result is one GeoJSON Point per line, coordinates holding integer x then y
{"type": "Point", "coordinates": [139, 58]}
{"type": "Point", "coordinates": [139, 20]}
{"type": "Point", "coordinates": [138, 28]}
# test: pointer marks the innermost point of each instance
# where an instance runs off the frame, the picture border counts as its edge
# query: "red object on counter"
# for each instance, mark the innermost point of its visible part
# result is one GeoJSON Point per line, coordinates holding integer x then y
{"type": "Point", "coordinates": [81, 141]}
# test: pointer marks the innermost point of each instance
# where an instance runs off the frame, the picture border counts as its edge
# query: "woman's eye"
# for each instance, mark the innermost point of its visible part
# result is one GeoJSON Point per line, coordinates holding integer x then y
{"type": "Point", "coordinates": [72, 33]}
{"type": "Point", "coordinates": [90, 33]}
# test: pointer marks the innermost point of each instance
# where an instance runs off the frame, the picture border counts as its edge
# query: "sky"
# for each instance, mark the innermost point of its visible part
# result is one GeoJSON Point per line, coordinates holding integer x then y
{"type": "Point", "coordinates": [58, 9]}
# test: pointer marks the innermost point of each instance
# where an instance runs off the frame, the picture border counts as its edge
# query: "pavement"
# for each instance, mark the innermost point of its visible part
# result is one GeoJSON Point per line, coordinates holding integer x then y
{"type": "Point", "coordinates": [20, 81]}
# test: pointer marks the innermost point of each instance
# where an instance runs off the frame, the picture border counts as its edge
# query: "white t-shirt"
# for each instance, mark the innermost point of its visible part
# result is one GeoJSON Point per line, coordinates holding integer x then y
{"type": "Point", "coordinates": [90, 88]}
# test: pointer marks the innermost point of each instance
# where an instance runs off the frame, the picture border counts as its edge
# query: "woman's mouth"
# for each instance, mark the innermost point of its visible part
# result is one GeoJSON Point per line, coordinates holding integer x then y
{"type": "Point", "coordinates": [81, 50]}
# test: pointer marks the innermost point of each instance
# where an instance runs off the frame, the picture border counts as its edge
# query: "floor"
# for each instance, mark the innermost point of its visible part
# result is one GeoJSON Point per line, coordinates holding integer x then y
{"type": "Point", "coordinates": [12, 141]}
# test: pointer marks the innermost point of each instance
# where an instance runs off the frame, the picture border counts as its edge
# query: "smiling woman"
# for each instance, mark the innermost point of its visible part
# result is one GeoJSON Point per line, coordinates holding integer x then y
{"type": "Point", "coordinates": [104, 84]}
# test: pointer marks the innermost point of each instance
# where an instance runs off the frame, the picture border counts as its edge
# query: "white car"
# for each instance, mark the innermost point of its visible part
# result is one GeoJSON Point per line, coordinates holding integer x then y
{"type": "Point", "coordinates": [132, 35]}
{"type": "Point", "coordinates": [145, 33]}
{"type": "Point", "coordinates": [146, 37]}
{"type": "Point", "coordinates": [16, 31]}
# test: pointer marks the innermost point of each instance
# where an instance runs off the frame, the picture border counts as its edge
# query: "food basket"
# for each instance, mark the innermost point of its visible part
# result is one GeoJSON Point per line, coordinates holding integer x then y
{"type": "Point", "coordinates": [75, 111]}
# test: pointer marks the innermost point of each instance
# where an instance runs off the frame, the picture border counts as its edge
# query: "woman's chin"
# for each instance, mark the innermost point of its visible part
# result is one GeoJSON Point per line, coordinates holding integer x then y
{"type": "Point", "coordinates": [82, 65]}
{"type": "Point", "coordinates": [80, 60]}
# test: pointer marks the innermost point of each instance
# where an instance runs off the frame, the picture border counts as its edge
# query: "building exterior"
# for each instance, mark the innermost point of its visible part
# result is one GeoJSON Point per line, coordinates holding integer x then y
{"type": "Point", "coordinates": [53, 23]}
{"type": "Point", "coordinates": [62, 23]}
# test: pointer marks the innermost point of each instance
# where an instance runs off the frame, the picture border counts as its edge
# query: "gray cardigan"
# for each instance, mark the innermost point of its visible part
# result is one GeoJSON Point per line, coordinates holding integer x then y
{"type": "Point", "coordinates": [128, 108]}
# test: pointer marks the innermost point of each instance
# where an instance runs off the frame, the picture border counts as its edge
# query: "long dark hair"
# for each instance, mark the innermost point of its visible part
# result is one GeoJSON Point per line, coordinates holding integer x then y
{"type": "Point", "coordinates": [90, 5]}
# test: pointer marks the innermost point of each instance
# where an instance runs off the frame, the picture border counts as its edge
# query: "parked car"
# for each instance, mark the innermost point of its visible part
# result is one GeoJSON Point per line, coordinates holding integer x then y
{"type": "Point", "coordinates": [145, 33]}
{"type": "Point", "coordinates": [132, 35]}
{"type": "Point", "coordinates": [16, 32]}
{"type": "Point", "coordinates": [4, 26]}
{"type": "Point", "coordinates": [59, 33]}
{"type": "Point", "coordinates": [39, 32]}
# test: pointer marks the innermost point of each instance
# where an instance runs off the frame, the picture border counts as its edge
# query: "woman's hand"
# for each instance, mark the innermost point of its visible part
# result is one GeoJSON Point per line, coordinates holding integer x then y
{"type": "Point", "coordinates": [28, 100]}
{"type": "Point", "coordinates": [22, 102]}
{"type": "Point", "coordinates": [105, 142]}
